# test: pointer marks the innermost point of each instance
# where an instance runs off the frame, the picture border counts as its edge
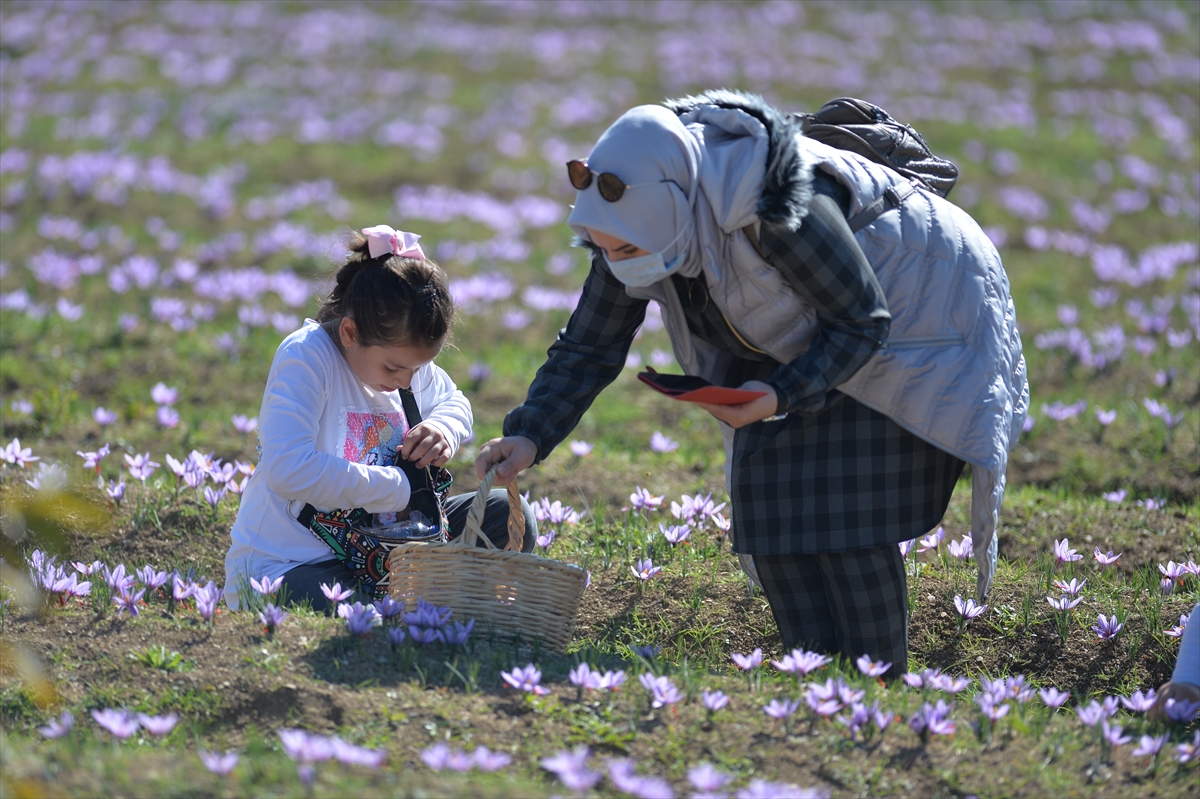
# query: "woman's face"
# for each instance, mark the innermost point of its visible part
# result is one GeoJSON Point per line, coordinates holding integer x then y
{"type": "Point", "coordinates": [383, 368]}
{"type": "Point", "coordinates": [614, 248]}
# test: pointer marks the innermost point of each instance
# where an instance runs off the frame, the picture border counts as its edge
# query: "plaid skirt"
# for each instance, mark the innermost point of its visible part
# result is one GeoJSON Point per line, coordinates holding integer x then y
{"type": "Point", "coordinates": [844, 478]}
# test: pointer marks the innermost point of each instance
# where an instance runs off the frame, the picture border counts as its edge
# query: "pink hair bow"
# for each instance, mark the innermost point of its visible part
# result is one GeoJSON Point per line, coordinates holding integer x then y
{"type": "Point", "coordinates": [382, 240]}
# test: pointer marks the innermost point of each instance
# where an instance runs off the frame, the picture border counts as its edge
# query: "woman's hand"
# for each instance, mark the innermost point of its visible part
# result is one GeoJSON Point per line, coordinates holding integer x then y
{"type": "Point", "coordinates": [1179, 691]}
{"type": "Point", "coordinates": [426, 445]}
{"type": "Point", "coordinates": [748, 412]}
{"type": "Point", "coordinates": [512, 455]}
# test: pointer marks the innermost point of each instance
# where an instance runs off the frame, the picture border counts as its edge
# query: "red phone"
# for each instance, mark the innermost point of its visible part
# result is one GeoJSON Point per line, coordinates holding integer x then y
{"type": "Point", "coordinates": [690, 388]}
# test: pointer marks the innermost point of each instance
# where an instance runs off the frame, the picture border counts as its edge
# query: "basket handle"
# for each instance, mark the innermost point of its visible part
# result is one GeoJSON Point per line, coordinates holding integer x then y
{"type": "Point", "coordinates": [516, 516]}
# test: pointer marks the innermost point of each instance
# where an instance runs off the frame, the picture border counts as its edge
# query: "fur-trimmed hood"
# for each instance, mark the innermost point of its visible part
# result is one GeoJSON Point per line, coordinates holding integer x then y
{"type": "Point", "coordinates": [787, 185]}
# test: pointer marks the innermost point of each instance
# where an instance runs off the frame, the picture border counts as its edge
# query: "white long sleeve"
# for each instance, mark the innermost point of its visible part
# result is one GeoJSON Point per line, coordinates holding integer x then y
{"type": "Point", "coordinates": [322, 433]}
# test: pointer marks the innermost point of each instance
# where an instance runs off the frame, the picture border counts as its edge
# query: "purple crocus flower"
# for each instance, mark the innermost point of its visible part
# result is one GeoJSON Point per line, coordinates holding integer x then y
{"type": "Point", "coordinates": [167, 416]}
{"type": "Point", "coordinates": [1115, 497]}
{"type": "Point", "coordinates": [662, 690]}
{"type": "Point", "coordinates": [612, 680]}
{"type": "Point", "coordinates": [141, 467]}
{"type": "Point", "coordinates": [1181, 710]}
{"type": "Point", "coordinates": [932, 719]}
{"type": "Point", "coordinates": [872, 668]}
{"type": "Point", "coordinates": [485, 760]}
{"type": "Point", "coordinates": [882, 718]}
{"type": "Point", "coordinates": [675, 534]}
{"type": "Point", "coordinates": [153, 580]}
{"type": "Point", "coordinates": [271, 617]}
{"type": "Point", "coordinates": [1149, 745]}
{"type": "Point", "coordinates": [571, 769]}
{"type": "Point", "coordinates": [181, 589]}
{"type": "Point", "coordinates": [584, 676]}
{"type": "Point", "coordinates": [1105, 559]}
{"type": "Point", "coordinates": [1188, 751]}
{"type": "Point", "coordinates": [968, 609]}
{"type": "Point", "coordinates": [763, 789]}
{"type": "Point", "coordinates": [207, 597]}
{"type": "Point", "coordinates": [425, 635]}
{"type": "Point", "coordinates": [707, 778]}
{"type": "Point", "coordinates": [129, 602]}
{"type": "Point", "coordinates": [116, 491]}
{"type": "Point", "coordinates": [801, 662]}
{"type": "Point", "coordinates": [164, 395]}
{"type": "Point", "coordinates": [931, 541]}
{"type": "Point", "coordinates": [336, 593]}
{"type": "Point", "coordinates": [244, 424]}
{"type": "Point", "coordinates": [647, 651]}
{"type": "Point", "coordinates": [963, 549]}
{"type": "Point", "coordinates": [580, 448]}
{"type": "Point", "coordinates": [92, 460]}
{"type": "Point", "coordinates": [1177, 630]}
{"type": "Point", "coordinates": [780, 709]}
{"type": "Point", "coordinates": [1064, 603]}
{"type": "Point", "coordinates": [121, 723]}
{"type": "Point", "coordinates": [1091, 715]}
{"type": "Point", "coordinates": [645, 569]}
{"type": "Point", "coordinates": [906, 547]}
{"type": "Point", "coordinates": [1105, 628]}
{"type": "Point", "coordinates": [437, 756]}
{"type": "Point", "coordinates": [991, 708]}
{"type": "Point", "coordinates": [352, 755]}
{"type": "Point", "coordinates": [456, 633]}
{"type": "Point", "coordinates": [104, 417]}
{"type": "Point", "coordinates": [527, 679]}
{"type": "Point", "coordinates": [56, 728]}
{"type": "Point", "coordinates": [360, 619]}
{"type": "Point", "coordinates": [1063, 552]}
{"type": "Point", "coordinates": [1105, 418]}
{"type": "Point", "coordinates": [662, 443]}
{"type": "Point", "coordinates": [714, 700]}
{"type": "Point", "coordinates": [641, 499]}
{"type": "Point", "coordinates": [158, 725]}
{"type": "Point", "coordinates": [265, 585]}
{"type": "Point", "coordinates": [1053, 697]}
{"type": "Point", "coordinates": [218, 764]}
{"type": "Point", "coordinates": [1139, 702]}
{"type": "Point", "coordinates": [748, 662]}
{"type": "Point", "coordinates": [1114, 734]}
{"type": "Point", "coordinates": [388, 608]}
{"type": "Point", "coordinates": [1072, 588]}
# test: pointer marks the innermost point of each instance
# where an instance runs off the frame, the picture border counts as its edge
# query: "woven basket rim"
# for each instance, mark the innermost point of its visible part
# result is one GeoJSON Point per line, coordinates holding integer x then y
{"type": "Point", "coordinates": [527, 559]}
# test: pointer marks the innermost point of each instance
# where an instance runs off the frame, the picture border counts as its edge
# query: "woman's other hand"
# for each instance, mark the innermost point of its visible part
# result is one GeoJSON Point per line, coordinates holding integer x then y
{"type": "Point", "coordinates": [748, 412]}
{"type": "Point", "coordinates": [426, 445]}
{"type": "Point", "coordinates": [1179, 691]}
{"type": "Point", "coordinates": [511, 455]}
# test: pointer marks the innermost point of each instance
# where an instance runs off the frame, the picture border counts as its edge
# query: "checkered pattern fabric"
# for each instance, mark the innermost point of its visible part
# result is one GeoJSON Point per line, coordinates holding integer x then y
{"type": "Point", "coordinates": [853, 603]}
{"type": "Point", "coordinates": [833, 475]}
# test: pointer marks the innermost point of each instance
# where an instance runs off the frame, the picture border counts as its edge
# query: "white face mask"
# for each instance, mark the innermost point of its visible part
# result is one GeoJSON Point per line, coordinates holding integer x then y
{"type": "Point", "coordinates": [646, 270]}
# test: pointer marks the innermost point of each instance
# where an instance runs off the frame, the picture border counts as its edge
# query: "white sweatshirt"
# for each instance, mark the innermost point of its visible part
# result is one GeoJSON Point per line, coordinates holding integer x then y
{"type": "Point", "coordinates": [320, 431]}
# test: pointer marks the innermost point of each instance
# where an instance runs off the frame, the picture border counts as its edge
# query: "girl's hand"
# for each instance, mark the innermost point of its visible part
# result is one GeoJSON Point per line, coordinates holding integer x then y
{"type": "Point", "coordinates": [426, 445]}
{"type": "Point", "coordinates": [513, 455]}
{"type": "Point", "coordinates": [748, 412]}
{"type": "Point", "coordinates": [1179, 691]}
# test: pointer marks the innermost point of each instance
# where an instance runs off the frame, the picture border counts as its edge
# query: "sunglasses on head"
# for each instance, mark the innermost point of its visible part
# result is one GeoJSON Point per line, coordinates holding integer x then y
{"type": "Point", "coordinates": [611, 187]}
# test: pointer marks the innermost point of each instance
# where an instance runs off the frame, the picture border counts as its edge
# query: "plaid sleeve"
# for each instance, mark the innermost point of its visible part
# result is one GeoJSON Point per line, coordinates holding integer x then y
{"type": "Point", "coordinates": [588, 354]}
{"type": "Point", "coordinates": [826, 266]}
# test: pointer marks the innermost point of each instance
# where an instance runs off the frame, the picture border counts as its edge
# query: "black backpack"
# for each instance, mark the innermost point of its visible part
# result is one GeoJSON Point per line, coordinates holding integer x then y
{"type": "Point", "coordinates": [866, 129]}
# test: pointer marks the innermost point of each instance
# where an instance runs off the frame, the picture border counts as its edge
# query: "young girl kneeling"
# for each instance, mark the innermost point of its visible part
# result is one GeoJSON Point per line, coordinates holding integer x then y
{"type": "Point", "coordinates": [331, 412]}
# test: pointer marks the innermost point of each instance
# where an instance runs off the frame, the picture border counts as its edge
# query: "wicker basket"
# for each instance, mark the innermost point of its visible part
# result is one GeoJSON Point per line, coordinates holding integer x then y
{"type": "Point", "coordinates": [512, 591]}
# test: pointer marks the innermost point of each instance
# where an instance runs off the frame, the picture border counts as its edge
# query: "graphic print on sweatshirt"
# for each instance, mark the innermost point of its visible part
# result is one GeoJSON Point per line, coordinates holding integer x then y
{"type": "Point", "coordinates": [373, 437]}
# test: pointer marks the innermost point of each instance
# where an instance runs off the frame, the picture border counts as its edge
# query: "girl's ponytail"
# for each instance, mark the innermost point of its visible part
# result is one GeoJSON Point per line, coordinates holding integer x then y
{"type": "Point", "coordinates": [393, 300]}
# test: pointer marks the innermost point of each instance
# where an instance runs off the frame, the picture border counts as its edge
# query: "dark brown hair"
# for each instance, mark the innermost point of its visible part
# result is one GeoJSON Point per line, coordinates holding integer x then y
{"type": "Point", "coordinates": [392, 300]}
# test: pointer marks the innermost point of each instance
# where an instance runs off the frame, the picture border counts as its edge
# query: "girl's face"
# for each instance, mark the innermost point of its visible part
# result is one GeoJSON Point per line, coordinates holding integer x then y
{"type": "Point", "coordinates": [385, 367]}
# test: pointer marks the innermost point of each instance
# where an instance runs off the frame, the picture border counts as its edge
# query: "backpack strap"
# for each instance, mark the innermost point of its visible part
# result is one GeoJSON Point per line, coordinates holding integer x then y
{"type": "Point", "coordinates": [892, 197]}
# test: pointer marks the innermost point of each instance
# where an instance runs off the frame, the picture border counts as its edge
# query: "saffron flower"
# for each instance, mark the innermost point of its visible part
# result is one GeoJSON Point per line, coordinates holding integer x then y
{"type": "Point", "coordinates": [1064, 603]}
{"type": "Point", "coordinates": [1116, 497]}
{"type": "Point", "coordinates": [527, 679]}
{"type": "Point", "coordinates": [1105, 418]}
{"type": "Point", "coordinates": [583, 676]}
{"type": "Point", "coordinates": [1149, 745]}
{"type": "Point", "coordinates": [545, 540]}
{"type": "Point", "coordinates": [360, 618]}
{"type": "Point", "coordinates": [92, 460]}
{"type": "Point", "coordinates": [396, 636]}
{"type": "Point", "coordinates": [265, 585]}
{"type": "Point", "coordinates": [271, 617]}
{"type": "Point", "coordinates": [714, 700]}
{"type": "Point", "coordinates": [1105, 628]}
{"type": "Point", "coordinates": [571, 769]}
{"type": "Point", "coordinates": [662, 690]}
{"type": "Point", "coordinates": [676, 534]}
{"type": "Point", "coordinates": [932, 719]}
{"type": "Point", "coordinates": [243, 424]}
{"type": "Point", "coordinates": [158, 725]}
{"type": "Point", "coordinates": [801, 662]}
{"type": "Point", "coordinates": [748, 662]}
{"type": "Point", "coordinates": [336, 593]}
{"type": "Point", "coordinates": [153, 580]}
{"type": "Point", "coordinates": [580, 448]}
{"type": "Point", "coordinates": [968, 609]}
{"type": "Point", "coordinates": [645, 569]}
{"type": "Point", "coordinates": [662, 443]}
{"type": "Point", "coordinates": [1106, 559]}
{"type": "Point", "coordinates": [219, 764]}
{"type": "Point", "coordinates": [164, 395]}
{"type": "Point", "coordinates": [872, 668]}
{"type": "Point", "coordinates": [963, 549]}
{"type": "Point", "coordinates": [1181, 710]}
{"type": "Point", "coordinates": [104, 417]}
{"type": "Point", "coordinates": [1063, 552]}
{"type": "Point", "coordinates": [56, 728]}
{"type": "Point", "coordinates": [1073, 588]}
{"type": "Point", "coordinates": [1053, 697]}
{"type": "Point", "coordinates": [906, 547]}
{"type": "Point", "coordinates": [141, 467]}
{"type": "Point", "coordinates": [647, 651]}
{"type": "Point", "coordinates": [1091, 715]}
{"type": "Point", "coordinates": [931, 541]}
{"type": "Point", "coordinates": [1177, 630]}
{"type": "Point", "coordinates": [485, 760]}
{"type": "Point", "coordinates": [129, 602]}
{"type": "Point", "coordinates": [167, 416]}
{"type": "Point", "coordinates": [456, 633]}
{"type": "Point", "coordinates": [116, 491]}
{"type": "Point", "coordinates": [1188, 751]}
{"type": "Point", "coordinates": [120, 723]}
{"type": "Point", "coordinates": [641, 499]}
{"type": "Point", "coordinates": [1114, 734]}
{"type": "Point", "coordinates": [707, 778]}
{"type": "Point", "coordinates": [1139, 702]}
{"type": "Point", "coordinates": [777, 709]}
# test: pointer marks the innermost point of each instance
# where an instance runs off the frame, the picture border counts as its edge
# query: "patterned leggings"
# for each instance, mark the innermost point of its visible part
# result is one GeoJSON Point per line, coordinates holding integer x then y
{"type": "Point", "coordinates": [852, 603]}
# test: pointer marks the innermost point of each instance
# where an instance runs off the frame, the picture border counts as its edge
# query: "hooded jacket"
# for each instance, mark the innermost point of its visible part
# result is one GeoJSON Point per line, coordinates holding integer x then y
{"type": "Point", "coordinates": [951, 370]}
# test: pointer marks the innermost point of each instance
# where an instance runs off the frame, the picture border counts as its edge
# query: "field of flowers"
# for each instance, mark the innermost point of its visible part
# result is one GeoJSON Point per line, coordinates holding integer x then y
{"type": "Point", "coordinates": [176, 181]}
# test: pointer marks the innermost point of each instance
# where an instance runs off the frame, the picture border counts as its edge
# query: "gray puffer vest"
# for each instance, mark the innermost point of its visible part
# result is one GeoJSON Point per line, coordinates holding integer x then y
{"type": "Point", "coordinates": [951, 370]}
